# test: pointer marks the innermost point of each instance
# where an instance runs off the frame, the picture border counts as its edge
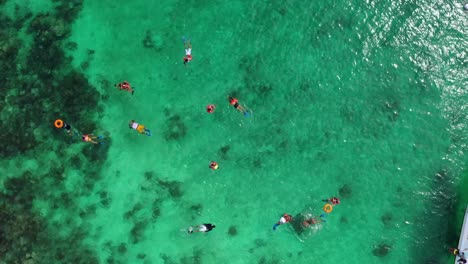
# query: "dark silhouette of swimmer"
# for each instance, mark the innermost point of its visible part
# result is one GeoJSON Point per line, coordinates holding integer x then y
{"type": "Point", "coordinates": [67, 127]}
{"type": "Point", "coordinates": [201, 228]}
{"type": "Point", "coordinates": [70, 131]}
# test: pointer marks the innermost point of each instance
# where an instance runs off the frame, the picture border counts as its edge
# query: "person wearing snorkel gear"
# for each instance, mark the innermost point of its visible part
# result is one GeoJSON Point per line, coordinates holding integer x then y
{"type": "Point", "coordinates": [70, 131]}
{"type": "Point", "coordinates": [201, 228]}
{"type": "Point", "coordinates": [125, 86]}
{"type": "Point", "coordinates": [67, 127]}
{"type": "Point", "coordinates": [210, 108]}
{"type": "Point", "coordinates": [139, 128]}
{"type": "Point", "coordinates": [188, 51]}
{"type": "Point", "coordinates": [235, 103]}
{"type": "Point", "coordinates": [313, 221]}
{"type": "Point", "coordinates": [283, 220]}
{"type": "Point", "coordinates": [214, 165]}
{"type": "Point", "coordinates": [333, 200]}
{"type": "Point", "coordinates": [461, 255]}
{"type": "Point", "coordinates": [91, 138]}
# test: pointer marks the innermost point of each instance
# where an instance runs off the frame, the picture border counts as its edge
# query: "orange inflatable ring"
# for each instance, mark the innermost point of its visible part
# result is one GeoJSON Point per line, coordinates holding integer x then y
{"type": "Point", "coordinates": [58, 123]}
{"type": "Point", "coordinates": [328, 208]}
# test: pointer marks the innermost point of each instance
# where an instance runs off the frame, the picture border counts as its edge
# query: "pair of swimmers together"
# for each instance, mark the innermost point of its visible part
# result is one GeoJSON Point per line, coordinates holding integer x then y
{"type": "Point", "coordinates": [132, 125]}
{"type": "Point", "coordinates": [232, 101]}
{"type": "Point", "coordinates": [90, 138]}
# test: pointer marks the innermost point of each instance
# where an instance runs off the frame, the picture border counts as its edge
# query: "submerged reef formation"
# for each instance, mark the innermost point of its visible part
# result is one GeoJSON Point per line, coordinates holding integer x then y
{"type": "Point", "coordinates": [381, 250]}
{"type": "Point", "coordinates": [39, 85]}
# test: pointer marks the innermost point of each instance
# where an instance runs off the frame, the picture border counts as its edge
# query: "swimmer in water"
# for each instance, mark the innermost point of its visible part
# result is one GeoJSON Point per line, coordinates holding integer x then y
{"type": "Point", "coordinates": [67, 127]}
{"type": "Point", "coordinates": [235, 103]}
{"type": "Point", "coordinates": [283, 220]}
{"type": "Point", "coordinates": [201, 228]}
{"type": "Point", "coordinates": [91, 138]}
{"type": "Point", "coordinates": [313, 221]}
{"type": "Point", "coordinates": [334, 200]}
{"type": "Point", "coordinates": [210, 108]}
{"type": "Point", "coordinates": [461, 255]}
{"type": "Point", "coordinates": [125, 86]}
{"type": "Point", "coordinates": [214, 165]}
{"type": "Point", "coordinates": [140, 128]}
{"type": "Point", "coordinates": [70, 131]}
{"type": "Point", "coordinates": [188, 51]}
{"type": "Point", "coordinates": [461, 258]}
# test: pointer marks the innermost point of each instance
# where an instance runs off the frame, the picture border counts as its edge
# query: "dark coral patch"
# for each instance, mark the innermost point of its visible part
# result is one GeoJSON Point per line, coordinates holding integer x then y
{"type": "Point", "coordinates": [122, 248]}
{"type": "Point", "coordinates": [136, 233]}
{"type": "Point", "coordinates": [345, 191]}
{"type": "Point", "coordinates": [173, 187]}
{"type": "Point", "coordinates": [381, 250]}
{"type": "Point", "coordinates": [387, 219]}
{"type": "Point", "coordinates": [175, 129]}
{"type": "Point", "coordinates": [149, 175]}
{"type": "Point", "coordinates": [156, 209]}
{"type": "Point", "coordinates": [232, 231]}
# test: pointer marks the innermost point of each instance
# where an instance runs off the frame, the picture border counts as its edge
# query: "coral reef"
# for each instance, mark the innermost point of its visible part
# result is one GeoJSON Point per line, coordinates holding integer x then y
{"type": "Point", "coordinates": [153, 40]}
{"type": "Point", "coordinates": [345, 191]}
{"type": "Point", "coordinates": [173, 187]}
{"type": "Point", "coordinates": [387, 219]}
{"type": "Point", "coordinates": [381, 250]}
{"type": "Point", "coordinates": [175, 129]}
{"type": "Point", "coordinates": [156, 210]}
{"type": "Point", "coordinates": [223, 152]}
{"type": "Point", "coordinates": [196, 210]}
{"type": "Point", "coordinates": [232, 231]}
{"type": "Point", "coordinates": [136, 233]}
{"type": "Point", "coordinates": [40, 85]}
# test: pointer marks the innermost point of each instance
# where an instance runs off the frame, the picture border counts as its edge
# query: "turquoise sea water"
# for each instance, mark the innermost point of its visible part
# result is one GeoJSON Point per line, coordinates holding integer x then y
{"type": "Point", "coordinates": [362, 100]}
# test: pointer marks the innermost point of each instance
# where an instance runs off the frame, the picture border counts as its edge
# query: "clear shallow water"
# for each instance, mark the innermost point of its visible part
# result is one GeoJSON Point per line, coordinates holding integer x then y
{"type": "Point", "coordinates": [362, 100]}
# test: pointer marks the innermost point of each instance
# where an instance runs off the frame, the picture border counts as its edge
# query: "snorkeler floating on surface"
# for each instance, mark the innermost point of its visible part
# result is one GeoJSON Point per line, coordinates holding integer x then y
{"type": "Point", "coordinates": [91, 138]}
{"type": "Point", "coordinates": [59, 123]}
{"type": "Point", "coordinates": [140, 128]}
{"type": "Point", "coordinates": [333, 200]}
{"type": "Point", "coordinates": [125, 86]}
{"type": "Point", "coordinates": [313, 221]}
{"type": "Point", "coordinates": [188, 51]}
{"type": "Point", "coordinates": [235, 103]}
{"type": "Point", "coordinates": [210, 108]}
{"type": "Point", "coordinates": [214, 165]}
{"type": "Point", "coordinates": [283, 220]}
{"type": "Point", "coordinates": [201, 228]}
